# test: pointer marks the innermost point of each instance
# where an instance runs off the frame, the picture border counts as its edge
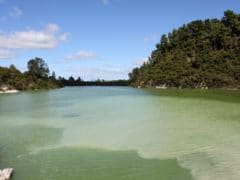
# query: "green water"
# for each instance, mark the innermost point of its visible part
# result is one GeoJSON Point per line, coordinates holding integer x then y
{"type": "Point", "coordinates": [112, 133]}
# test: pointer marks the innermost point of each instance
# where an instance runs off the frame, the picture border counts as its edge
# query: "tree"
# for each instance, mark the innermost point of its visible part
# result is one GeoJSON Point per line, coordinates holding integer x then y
{"type": "Point", "coordinates": [38, 68]}
{"type": "Point", "coordinates": [232, 21]}
{"type": "Point", "coordinates": [12, 67]}
{"type": "Point", "coordinates": [78, 81]}
{"type": "Point", "coordinates": [134, 75]}
{"type": "Point", "coordinates": [71, 80]}
{"type": "Point", "coordinates": [53, 75]}
{"type": "Point", "coordinates": [164, 44]}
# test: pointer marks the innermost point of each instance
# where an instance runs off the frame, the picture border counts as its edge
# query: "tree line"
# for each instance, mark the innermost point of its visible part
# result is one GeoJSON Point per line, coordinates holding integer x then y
{"type": "Point", "coordinates": [37, 77]}
{"type": "Point", "coordinates": [100, 82]}
{"type": "Point", "coordinates": [202, 53]}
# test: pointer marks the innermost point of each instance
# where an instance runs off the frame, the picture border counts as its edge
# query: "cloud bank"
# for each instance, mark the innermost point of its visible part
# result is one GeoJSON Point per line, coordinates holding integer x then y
{"type": "Point", "coordinates": [46, 38]}
{"type": "Point", "coordinates": [32, 39]}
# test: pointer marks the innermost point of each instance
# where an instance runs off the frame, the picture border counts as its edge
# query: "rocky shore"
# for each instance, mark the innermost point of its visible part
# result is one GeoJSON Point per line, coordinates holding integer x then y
{"type": "Point", "coordinates": [7, 89]}
{"type": "Point", "coordinates": [6, 174]}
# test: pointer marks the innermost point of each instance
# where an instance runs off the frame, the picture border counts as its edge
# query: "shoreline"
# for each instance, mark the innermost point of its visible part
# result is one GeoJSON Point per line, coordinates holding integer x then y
{"type": "Point", "coordinates": [14, 91]}
{"type": "Point", "coordinates": [9, 91]}
{"type": "Point", "coordinates": [193, 88]}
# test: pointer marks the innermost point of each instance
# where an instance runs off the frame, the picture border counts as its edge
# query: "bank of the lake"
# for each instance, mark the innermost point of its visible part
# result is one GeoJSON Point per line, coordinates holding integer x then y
{"type": "Point", "coordinates": [121, 133]}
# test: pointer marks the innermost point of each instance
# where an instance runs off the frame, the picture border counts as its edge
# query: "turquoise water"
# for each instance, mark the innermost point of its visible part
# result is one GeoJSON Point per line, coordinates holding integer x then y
{"type": "Point", "coordinates": [121, 133]}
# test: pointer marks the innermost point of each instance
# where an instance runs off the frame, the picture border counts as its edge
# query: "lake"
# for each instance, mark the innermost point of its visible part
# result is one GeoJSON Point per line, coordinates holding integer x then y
{"type": "Point", "coordinates": [111, 133]}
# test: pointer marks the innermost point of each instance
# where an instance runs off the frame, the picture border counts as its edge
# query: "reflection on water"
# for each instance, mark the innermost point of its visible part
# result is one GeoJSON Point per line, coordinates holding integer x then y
{"type": "Point", "coordinates": [59, 133]}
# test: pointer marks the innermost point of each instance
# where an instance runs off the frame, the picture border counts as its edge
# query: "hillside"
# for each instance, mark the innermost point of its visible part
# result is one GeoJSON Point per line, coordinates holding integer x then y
{"type": "Point", "coordinates": [201, 54]}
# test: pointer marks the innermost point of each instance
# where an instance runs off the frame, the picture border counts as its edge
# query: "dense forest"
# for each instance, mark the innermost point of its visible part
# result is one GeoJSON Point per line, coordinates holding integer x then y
{"type": "Point", "coordinates": [37, 77]}
{"type": "Point", "coordinates": [200, 54]}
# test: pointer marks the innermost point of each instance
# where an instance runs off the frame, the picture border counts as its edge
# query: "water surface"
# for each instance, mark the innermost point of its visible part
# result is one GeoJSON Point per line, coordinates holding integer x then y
{"type": "Point", "coordinates": [121, 133]}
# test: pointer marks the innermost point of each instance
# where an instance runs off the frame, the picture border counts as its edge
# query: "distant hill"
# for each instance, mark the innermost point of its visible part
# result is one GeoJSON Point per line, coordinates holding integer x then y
{"type": "Point", "coordinates": [203, 53]}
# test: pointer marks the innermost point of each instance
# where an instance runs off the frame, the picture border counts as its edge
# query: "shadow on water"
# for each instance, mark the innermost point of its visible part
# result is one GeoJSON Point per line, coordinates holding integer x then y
{"type": "Point", "coordinates": [232, 96]}
{"type": "Point", "coordinates": [93, 164]}
{"type": "Point", "coordinates": [76, 163]}
{"type": "Point", "coordinates": [17, 140]}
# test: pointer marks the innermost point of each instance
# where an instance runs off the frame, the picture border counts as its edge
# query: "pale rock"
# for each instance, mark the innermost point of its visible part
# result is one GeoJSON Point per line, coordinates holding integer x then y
{"type": "Point", "coordinates": [5, 174]}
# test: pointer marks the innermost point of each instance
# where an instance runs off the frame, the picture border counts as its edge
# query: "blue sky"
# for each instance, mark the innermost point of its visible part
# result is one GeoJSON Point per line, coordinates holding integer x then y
{"type": "Point", "coordinates": [94, 38]}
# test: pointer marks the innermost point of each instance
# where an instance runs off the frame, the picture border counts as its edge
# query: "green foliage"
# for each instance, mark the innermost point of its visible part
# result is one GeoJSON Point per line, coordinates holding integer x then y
{"type": "Point", "coordinates": [199, 54]}
{"type": "Point", "coordinates": [35, 78]}
{"type": "Point", "coordinates": [38, 68]}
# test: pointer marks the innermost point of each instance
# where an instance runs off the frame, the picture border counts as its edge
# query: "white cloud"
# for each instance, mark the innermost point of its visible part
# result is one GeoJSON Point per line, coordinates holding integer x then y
{"type": "Point", "coordinates": [32, 39]}
{"type": "Point", "coordinates": [6, 54]}
{"type": "Point", "coordinates": [105, 2]}
{"type": "Point", "coordinates": [81, 55]}
{"type": "Point", "coordinates": [15, 12]}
